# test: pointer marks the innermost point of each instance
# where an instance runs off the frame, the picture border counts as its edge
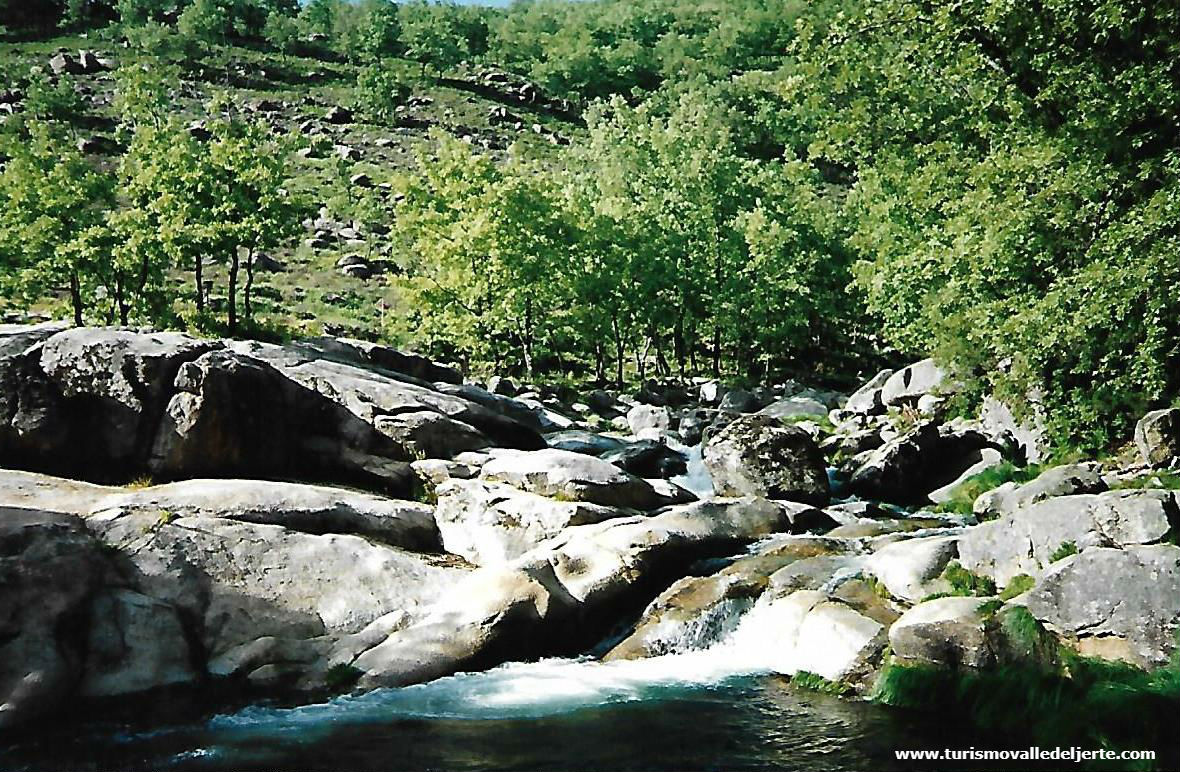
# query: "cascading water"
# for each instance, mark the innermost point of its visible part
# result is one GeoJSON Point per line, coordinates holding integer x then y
{"type": "Point", "coordinates": [696, 477]}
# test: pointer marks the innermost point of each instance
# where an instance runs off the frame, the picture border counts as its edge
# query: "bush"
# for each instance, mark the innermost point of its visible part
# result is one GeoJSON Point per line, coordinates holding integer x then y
{"type": "Point", "coordinates": [379, 92]}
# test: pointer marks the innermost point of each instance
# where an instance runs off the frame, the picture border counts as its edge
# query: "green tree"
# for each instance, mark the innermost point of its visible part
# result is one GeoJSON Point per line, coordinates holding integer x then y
{"type": "Point", "coordinates": [282, 32]}
{"type": "Point", "coordinates": [52, 198]}
{"type": "Point", "coordinates": [489, 242]}
{"type": "Point", "coordinates": [380, 91]}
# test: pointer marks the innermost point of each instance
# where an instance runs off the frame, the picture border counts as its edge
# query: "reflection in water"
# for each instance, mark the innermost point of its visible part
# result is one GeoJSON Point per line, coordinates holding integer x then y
{"type": "Point", "coordinates": [742, 723]}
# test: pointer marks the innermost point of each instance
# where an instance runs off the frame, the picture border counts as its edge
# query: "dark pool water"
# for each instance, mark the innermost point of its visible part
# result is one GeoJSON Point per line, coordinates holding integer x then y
{"type": "Point", "coordinates": [544, 716]}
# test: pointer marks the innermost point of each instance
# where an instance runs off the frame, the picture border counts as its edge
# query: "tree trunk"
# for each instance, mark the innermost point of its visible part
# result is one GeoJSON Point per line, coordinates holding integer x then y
{"type": "Point", "coordinates": [716, 351]}
{"type": "Point", "coordinates": [247, 303]}
{"type": "Point", "coordinates": [619, 353]}
{"type": "Point", "coordinates": [198, 275]}
{"type": "Point", "coordinates": [233, 291]}
{"type": "Point", "coordinates": [76, 298]}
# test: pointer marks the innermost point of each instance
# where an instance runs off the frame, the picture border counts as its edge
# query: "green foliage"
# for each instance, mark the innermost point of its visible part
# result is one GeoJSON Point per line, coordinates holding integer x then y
{"type": "Point", "coordinates": [1057, 701]}
{"type": "Point", "coordinates": [1064, 550]}
{"type": "Point", "coordinates": [964, 582]}
{"type": "Point", "coordinates": [341, 676]}
{"type": "Point", "coordinates": [1014, 185]}
{"type": "Point", "coordinates": [611, 47]}
{"type": "Point", "coordinates": [50, 98]}
{"type": "Point", "coordinates": [659, 236]}
{"type": "Point", "coordinates": [817, 683]}
{"type": "Point", "coordinates": [964, 495]}
{"type": "Point", "coordinates": [222, 197]}
{"type": "Point", "coordinates": [441, 35]}
{"type": "Point", "coordinates": [380, 90]}
{"type": "Point", "coordinates": [282, 32]}
{"type": "Point", "coordinates": [205, 22]}
{"type": "Point", "coordinates": [51, 200]}
{"type": "Point", "coordinates": [490, 240]}
{"type": "Point", "coordinates": [1017, 585]}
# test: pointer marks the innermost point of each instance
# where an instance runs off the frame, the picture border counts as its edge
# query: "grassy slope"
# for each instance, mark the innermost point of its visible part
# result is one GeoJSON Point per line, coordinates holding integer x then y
{"type": "Point", "coordinates": [310, 296]}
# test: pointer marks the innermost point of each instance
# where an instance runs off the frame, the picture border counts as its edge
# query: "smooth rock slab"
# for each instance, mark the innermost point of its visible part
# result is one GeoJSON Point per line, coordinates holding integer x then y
{"type": "Point", "coordinates": [573, 477]}
{"type": "Point", "coordinates": [245, 580]}
{"type": "Point", "coordinates": [50, 566]}
{"type": "Point", "coordinates": [910, 568]}
{"type": "Point", "coordinates": [136, 643]}
{"type": "Point", "coordinates": [490, 523]}
{"type": "Point", "coordinates": [307, 508]}
{"type": "Point", "coordinates": [1064, 480]}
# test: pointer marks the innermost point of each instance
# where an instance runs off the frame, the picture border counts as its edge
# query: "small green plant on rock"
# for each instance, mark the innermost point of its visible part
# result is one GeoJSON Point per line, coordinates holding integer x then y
{"type": "Point", "coordinates": [1063, 551]}
{"type": "Point", "coordinates": [816, 683]}
{"type": "Point", "coordinates": [1019, 585]}
{"type": "Point", "coordinates": [964, 582]}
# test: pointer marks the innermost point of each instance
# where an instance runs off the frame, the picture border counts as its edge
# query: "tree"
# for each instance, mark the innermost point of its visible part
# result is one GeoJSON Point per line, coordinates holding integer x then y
{"type": "Point", "coordinates": [379, 35]}
{"type": "Point", "coordinates": [205, 22]}
{"type": "Point", "coordinates": [52, 200]}
{"type": "Point", "coordinates": [223, 196]}
{"type": "Point", "coordinates": [489, 242]}
{"type": "Point", "coordinates": [282, 32]}
{"type": "Point", "coordinates": [380, 91]}
{"type": "Point", "coordinates": [432, 35]}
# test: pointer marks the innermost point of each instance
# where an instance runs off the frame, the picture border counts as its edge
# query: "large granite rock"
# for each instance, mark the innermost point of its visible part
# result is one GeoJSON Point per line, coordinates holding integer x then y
{"type": "Point", "coordinates": [297, 507]}
{"type": "Point", "coordinates": [1157, 436]}
{"type": "Point", "coordinates": [135, 644]}
{"type": "Point", "coordinates": [908, 385]}
{"type": "Point", "coordinates": [1025, 541]}
{"type": "Point", "coordinates": [581, 441]}
{"type": "Point", "coordinates": [648, 459]}
{"type": "Point", "coordinates": [572, 476]}
{"type": "Point", "coordinates": [868, 398]}
{"type": "Point", "coordinates": [114, 404]}
{"type": "Point", "coordinates": [944, 632]}
{"type": "Point", "coordinates": [85, 402]}
{"type": "Point", "coordinates": [234, 581]}
{"type": "Point", "coordinates": [371, 393]}
{"type": "Point", "coordinates": [910, 568]}
{"type": "Point", "coordinates": [905, 470]}
{"type": "Point", "coordinates": [758, 456]}
{"type": "Point", "coordinates": [1064, 480]}
{"type": "Point", "coordinates": [816, 633]}
{"type": "Point", "coordinates": [235, 416]}
{"type": "Point", "coordinates": [1121, 604]}
{"type": "Point", "coordinates": [490, 523]}
{"type": "Point", "coordinates": [50, 568]}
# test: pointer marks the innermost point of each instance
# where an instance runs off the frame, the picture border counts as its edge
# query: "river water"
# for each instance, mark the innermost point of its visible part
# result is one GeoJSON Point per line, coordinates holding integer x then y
{"type": "Point", "coordinates": [710, 703]}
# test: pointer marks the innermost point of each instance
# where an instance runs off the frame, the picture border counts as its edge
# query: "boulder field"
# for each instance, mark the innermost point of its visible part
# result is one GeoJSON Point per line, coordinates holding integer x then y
{"type": "Point", "coordinates": [329, 514]}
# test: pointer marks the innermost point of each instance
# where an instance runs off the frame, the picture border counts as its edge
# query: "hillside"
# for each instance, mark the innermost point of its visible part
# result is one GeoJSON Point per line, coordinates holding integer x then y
{"type": "Point", "coordinates": [333, 280]}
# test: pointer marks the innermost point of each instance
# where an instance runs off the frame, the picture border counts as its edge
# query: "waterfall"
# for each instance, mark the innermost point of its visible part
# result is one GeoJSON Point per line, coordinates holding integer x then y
{"type": "Point", "coordinates": [730, 640]}
{"type": "Point", "coordinates": [696, 477]}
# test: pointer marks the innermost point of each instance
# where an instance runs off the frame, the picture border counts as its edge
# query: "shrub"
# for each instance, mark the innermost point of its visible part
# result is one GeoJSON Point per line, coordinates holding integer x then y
{"type": "Point", "coordinates": [1063, 551]}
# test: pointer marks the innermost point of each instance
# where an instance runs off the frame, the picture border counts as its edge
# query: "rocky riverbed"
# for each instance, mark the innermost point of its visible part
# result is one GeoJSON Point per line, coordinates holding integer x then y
{"type": "Point", "coordinates": [336, 516]}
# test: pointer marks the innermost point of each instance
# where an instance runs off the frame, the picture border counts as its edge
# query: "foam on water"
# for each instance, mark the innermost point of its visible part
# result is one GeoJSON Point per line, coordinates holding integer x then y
{"type": "Point", "coordinates": [696, 477]}
{"type": "Point", "coordinates": [548, 687]}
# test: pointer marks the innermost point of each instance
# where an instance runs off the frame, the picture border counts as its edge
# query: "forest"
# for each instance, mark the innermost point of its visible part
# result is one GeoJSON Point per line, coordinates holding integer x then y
{"type": "Point", "coordinates": [746, 188]}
